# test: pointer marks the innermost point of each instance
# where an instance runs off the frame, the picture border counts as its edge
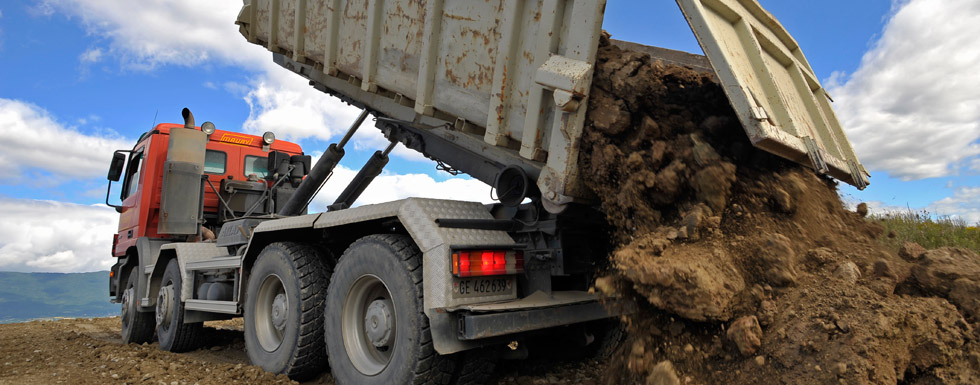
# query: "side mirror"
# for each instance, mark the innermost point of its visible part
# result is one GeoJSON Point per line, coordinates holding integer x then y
{"type": "Point", "coordinates": [116, 167]}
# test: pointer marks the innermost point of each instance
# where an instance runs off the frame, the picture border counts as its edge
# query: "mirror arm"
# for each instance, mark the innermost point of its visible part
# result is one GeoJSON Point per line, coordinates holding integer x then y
{"type": "Point", "coordinates": [108, 190]}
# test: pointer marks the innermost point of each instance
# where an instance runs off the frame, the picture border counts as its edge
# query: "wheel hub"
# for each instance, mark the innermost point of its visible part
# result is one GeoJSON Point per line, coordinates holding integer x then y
{"type": "Point", "coordinates": [278, 312]}
{"type": "Point", "coordinates": [164, 306]}
{"type": "Point", "coordinates": [377, 322]}
{"type": "Point", "coordinates": [126, 298]}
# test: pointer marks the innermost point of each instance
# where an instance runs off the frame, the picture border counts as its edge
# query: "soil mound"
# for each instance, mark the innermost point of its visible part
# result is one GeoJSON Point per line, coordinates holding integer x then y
{"type": "Point", "coordinates": [747, 267]}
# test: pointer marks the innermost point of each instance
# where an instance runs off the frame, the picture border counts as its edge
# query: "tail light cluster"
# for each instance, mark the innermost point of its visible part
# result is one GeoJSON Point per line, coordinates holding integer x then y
{"type": "Point", "coordinates": [478, 263]}
{"type": "Point", "coordinates": [115, 241]}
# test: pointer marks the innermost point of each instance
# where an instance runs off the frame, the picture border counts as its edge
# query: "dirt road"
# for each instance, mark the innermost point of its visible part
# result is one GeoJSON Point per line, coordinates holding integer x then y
{"type": "Point", "coordinates": [89, 351]}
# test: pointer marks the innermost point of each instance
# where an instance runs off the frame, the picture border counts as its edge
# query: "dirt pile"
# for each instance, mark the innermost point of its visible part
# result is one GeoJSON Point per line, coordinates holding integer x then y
{"type": "Point", "coordinates": [748, 268]}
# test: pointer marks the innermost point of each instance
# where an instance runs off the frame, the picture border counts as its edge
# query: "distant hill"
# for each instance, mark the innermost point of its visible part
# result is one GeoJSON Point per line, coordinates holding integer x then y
{"type": "Point", "coordinates": [28, 296]}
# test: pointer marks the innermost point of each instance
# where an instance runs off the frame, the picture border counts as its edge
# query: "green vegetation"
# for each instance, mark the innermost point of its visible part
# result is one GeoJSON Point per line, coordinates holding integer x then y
{"type": "Point", "coordinates": [927, 230]}
{"type": "Point", "coordinates": [27, 296]}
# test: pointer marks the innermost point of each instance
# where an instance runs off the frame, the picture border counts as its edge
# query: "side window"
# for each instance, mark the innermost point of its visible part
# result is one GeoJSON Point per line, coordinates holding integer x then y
{"type": "Point", "coordinates": [131, 183]}
{"type": "Point", "coordinates": [214, 162]}
{"type": "Point", "coordinates": [256, 165]}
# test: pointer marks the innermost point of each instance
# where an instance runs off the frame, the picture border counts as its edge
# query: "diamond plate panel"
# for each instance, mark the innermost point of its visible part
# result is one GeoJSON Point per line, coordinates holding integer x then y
{"type": "Point", "coordinates": [359, 214]}
{"type": "Point", "coordinates": [419, 216]}
{"type": "Point", "coordinates": [300, 222]}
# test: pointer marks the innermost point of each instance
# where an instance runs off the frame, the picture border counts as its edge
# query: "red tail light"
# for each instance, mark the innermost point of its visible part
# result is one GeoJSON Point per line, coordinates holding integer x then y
{"type": "Point", "coordinates": [477, 263]}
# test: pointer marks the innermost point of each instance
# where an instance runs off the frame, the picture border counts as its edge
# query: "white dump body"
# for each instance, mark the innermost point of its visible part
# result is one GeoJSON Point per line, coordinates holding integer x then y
{"type": "Point", "coordinates": [509, 79]}
{"type": "Point", "coordinates": [492, 68]}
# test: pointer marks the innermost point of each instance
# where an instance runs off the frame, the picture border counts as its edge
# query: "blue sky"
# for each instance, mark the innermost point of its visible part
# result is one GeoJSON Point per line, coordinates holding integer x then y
{"type": "Point", "coordinates": [79, 78]}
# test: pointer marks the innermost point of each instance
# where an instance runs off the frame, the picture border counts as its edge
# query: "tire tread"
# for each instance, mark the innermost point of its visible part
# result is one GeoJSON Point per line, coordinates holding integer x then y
{"type": "Point", "coordinates": [144, 323]}
{"type": "Point", "coordinates": [313, 275]}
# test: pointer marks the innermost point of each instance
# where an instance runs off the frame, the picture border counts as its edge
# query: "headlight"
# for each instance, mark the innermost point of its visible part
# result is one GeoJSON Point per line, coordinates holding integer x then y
{"type": "Point", "coordinates": [268, 137]}
{"type": "Point", "coordinates": [208, 128]}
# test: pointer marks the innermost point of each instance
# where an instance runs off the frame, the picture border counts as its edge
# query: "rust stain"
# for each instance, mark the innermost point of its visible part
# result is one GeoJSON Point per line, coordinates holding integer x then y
{"type": "Point", "coordinates": [457, 17]}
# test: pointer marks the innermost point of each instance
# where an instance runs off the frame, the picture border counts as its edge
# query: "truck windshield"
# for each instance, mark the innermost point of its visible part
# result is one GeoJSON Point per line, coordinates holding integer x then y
{"type": "Point", "coordinates": [256, 165]}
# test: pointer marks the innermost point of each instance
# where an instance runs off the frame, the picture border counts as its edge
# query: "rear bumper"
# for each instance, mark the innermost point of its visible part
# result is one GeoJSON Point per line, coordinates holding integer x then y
{"type": "Point", "coordinates": [536, 312]}
{"type": "Point", "coordinates": [478, 326]}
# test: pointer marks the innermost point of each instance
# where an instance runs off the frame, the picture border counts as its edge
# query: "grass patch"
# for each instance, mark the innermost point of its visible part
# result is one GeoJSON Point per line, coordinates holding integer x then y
{"type": "Point", "coordinates": [927, 230]}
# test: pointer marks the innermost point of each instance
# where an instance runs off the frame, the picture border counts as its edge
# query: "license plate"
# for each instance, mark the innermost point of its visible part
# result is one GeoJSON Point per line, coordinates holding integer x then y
{"type": "Point", "coordinates": [481, 287]}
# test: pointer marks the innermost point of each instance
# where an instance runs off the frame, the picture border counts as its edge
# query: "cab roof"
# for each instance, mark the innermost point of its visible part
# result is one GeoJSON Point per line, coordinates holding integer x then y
{"type": "Point", "coordinates": [231, 138]}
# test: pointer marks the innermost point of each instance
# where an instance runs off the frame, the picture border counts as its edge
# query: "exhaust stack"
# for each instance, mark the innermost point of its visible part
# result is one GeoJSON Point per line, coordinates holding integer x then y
{"type": "Point", "coordinates": [182, 198]}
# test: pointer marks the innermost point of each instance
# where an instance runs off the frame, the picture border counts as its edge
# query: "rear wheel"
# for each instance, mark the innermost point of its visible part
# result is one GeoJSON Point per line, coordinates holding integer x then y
{"type": "Point", "coordinates": [137, 327]}
{"type": "Point", "coordinates": [376, 331]}
{"type": "Point", "coordinates": [174, 335]}
{"type": "Point", "coordinates": [475, 366]}
{"type": "Point", "coordinates": [284, 310]}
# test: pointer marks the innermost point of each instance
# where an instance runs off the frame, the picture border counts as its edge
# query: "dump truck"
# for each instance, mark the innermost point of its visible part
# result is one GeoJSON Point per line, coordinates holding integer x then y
{"type": "Point", "coordinates": [420, 290]}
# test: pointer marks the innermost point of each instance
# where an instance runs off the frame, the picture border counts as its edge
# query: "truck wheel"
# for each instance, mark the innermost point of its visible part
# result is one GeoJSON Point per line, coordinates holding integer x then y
{"type": "Point", "coordinates": [137, 326]}
{"type": "Point", "coordinates": [475, 366]}
{"type": "Point", "coordinates": [174, 335]}
{"type": "Point", "coordinates": [284, 310]}
{"type": "Point", "coordinates": [376, 332]}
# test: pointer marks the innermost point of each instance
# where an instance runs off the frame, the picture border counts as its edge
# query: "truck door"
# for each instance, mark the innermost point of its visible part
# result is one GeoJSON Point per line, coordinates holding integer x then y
{"type": "Point", "coordinates": [130, 196]}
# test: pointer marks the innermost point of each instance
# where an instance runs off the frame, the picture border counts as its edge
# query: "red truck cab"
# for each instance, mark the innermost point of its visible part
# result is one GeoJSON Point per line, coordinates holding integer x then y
{"type": "Point", "coordinates": [230, 155]}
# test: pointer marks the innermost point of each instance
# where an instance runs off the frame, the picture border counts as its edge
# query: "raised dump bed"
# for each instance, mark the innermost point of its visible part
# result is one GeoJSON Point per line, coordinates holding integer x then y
{"type": "Point", "coordinates": [483, 86]}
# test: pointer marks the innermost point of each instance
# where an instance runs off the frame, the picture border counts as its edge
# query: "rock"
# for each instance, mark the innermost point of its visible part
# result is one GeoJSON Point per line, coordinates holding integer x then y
{"type": "Point", "coordinates": [760, 360]}
{"type": "Point", "coordinates": [936, 270]}
{"type": "Point", "coordinates": [911, 250]}
{"type": "Point", "coordinates": [703, 153]}
{"type": "Point", "coordinates": [862, 209]}
{"type": "Point", "coordinates": [820, 255]}
{"type": "Point", "coordinates": [663, 374]}
{"type": "Point", "coordinates": [675, 329]}
{"type": "Point", "coordinates": [848, 272]}
{"type": "Point", "coordinates": [713, 184]}
{"type": "Point", "coordinates": [608, 114]}
{"type": "Point", "coordinates": [746, 333]}
{"type": "Point", "coordinates": [965, 294]}
{"type": "Point", "coordinates": [693, 221]}
{"type": "Point", "coordinates": [606, 285]}
{"type": "Point", "coordinates": [883, 268]}
{"type": "Point", "coordinates": [689, 348]}
{"type": "Point", "coordinates": [777, 260]}
{"type": "Point", "coordinates": [688, 280]}
{"type": "Point", "coordinates": [839, 368]}
{"type": "Point", "coordinates": [767, 312]}
{"type": "Point", "coordinates": [782, 200]}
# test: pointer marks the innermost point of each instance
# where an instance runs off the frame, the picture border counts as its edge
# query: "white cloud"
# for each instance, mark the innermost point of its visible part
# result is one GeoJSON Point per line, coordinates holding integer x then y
{"type": "Point", "coordinates": [965, 204]}
{"type": "Point", "coordinates": [284, 103]}
{"type": "Point", "coordinates": [31, 139]}
{"type": "Point", "coordinates": [145, 35]}
{"type": "Point", "coordinates": [388, 187]}
{"type": "Point", "coordinates": [92, 55]}
{"type": "Point", "coordinates": [912, 109]}
{"type": "Point", "coordinates": [47, 236]}
{"type": "Point", "coordinates": [153, 33]}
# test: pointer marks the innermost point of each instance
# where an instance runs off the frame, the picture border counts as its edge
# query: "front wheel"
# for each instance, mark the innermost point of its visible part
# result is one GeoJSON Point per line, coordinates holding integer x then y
{"type": "Point", "coordinates": [175, 335]}
{"type": "Point", "coordinates": [376, 331]}
{"type": "Point", "coordinates": [137, 326]}
{"type": "Point", "coordinates": [284, 310]}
